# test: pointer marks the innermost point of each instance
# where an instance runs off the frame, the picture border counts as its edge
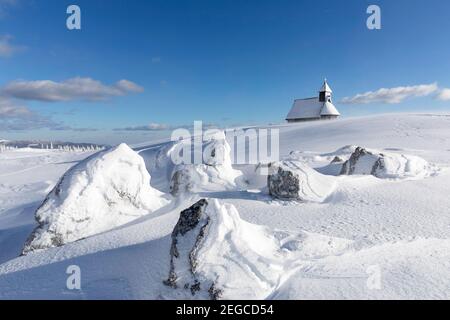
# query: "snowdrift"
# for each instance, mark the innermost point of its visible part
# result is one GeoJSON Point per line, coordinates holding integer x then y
{"type": "Point", "coordinates": [385, 165]}
{"type": "Point", "coordinates": [104, 191]}
{"type": "Point", "coordinates": [217, 255]}
{"type": "Point", "coordinates": [294, 180]}
{"type": "Point", "coordinates": [214, 173]}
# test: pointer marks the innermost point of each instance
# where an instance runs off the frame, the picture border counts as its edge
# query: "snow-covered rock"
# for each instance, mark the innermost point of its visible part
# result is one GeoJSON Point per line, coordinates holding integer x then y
{"type": "Point", "coordinates": [385, 165]}
{"type": "Point", "coordinates": [104, 191]}
{"type": "Point", "coordinates": [199, 178]}
{"type": "Point", "coordinates": [294, 180]}
{"type": "Point", "coordinates": [337, 159]}
{"type": "Point", "coordinates": [215, 173]}
{"type": "Point", "coordinates": [216, 255]}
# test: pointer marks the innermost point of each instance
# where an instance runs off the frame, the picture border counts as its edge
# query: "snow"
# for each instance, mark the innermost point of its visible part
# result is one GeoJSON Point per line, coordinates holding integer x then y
{"type": "Point", "coordinates": [325, 87]}
{"type": "Point", "coordinates": [105, 191]}
{"type": "Point", "coordinates": [386, 165]}
{"type": "Point", "coordinates": [214, 173]}
{"type": "Point", "coordinates": [305, 109]}
{"type": "Point", "coordinates": [398, 227]}
{"type": "Point", "coordinates": [292, 179]}
{"type": "Point", "coordinates": [329, 109]}
{"type": "Point", "coordinates": [240, 260]}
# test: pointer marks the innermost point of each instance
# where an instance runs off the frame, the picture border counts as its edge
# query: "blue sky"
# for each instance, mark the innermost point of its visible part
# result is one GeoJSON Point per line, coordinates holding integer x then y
{"type": "Point", "coordinates": [225, 62]}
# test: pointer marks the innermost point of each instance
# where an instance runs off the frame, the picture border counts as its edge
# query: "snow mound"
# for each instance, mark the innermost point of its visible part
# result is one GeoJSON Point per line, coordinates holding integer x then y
{"type": "Point", "coordinates": [385, 165]}
{"type": "Point", "coordinates": [342, 152]}
{"type": "Point", "coordinates": [215, 173]}
{"type": "Point", "coordinates": [294, 180]}
{"type": "Point", "coordinates": [104, 191]}
{"type": "Point", "coordinates": [216, 255]}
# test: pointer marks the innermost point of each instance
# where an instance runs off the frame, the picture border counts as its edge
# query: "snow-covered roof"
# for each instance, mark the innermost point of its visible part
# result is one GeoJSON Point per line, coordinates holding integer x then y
{"type": "Point", "coordinates": [305, 109]}
{"type": "Point", "coordinates": [313, 108]}
{"type": "Point", "coordinates": [325, 87]}
{"type": "Point", "coordinates": [329, 109]}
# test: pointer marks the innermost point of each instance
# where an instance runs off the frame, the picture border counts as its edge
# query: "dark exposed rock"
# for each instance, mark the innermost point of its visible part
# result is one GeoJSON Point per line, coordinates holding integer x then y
{"type": "Point", "coordinates": [294, 180]}
{"type": "Point", "coordinates": [375, 165]}
{"type": "Point", "coordinates": [180, 182]}
{"type": "Point", "coordinates": [284, 184]}
{"type": "Point", "coordinates": [348, 168]}
{"type": "Point", "coordinates": [337, 159]}
{"type": "Point", "coordinates": [385, 165]}
{"type": "Point", "coordinates": [189, 232]}
{"type": "Point", "coordinates": [215, 293]}
{"type": "Point", "coordinates": [189, 218]}
{"type": "Point", "coordinates": [214, 254]}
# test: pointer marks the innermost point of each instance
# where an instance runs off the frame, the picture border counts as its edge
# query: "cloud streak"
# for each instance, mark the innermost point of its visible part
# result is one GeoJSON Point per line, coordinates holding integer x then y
{"type": "Point", "coordinates": [74, 89]}
{"type": "Point", "coordinates": [444, 95]}
{"type": "Point", "coordinates": [164, 127]}
{"type": "Point", "coordinates": [392, 95]}
{"type": "Point", "coordinates": [17, 117]}
{"type": "Point", "coordinates": [149, 127]}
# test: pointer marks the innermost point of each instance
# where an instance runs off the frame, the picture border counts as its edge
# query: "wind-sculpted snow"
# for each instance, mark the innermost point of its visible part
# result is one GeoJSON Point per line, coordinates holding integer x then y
{"type": "Point", "coordinates": [215, 173]}
{"type": "Point", "coordinates": [294, 180]}
{"type": "Point", "coordinates": [217, 255]}
{"type": "Point", "coordinates": [371, 239]}
{"type": "Point", "coordinates": [385, 165]}
{"type": "Point", "coordinates": [102, 192]}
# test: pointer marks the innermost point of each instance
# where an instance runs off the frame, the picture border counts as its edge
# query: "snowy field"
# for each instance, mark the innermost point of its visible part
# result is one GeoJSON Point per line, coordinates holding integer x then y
{"type": "Point", "coordinates": [257, 247]}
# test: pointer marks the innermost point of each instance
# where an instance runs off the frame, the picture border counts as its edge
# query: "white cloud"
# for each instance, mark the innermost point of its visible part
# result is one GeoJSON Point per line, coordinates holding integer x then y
{"type": "Point", "coordinates": [14, 116]}
{"type": "Point", "coordinates": [444, 95]}
{"type": "Point", "coordinates": [17, 117]}
{"type": "Point", "coordinates": [74, 89]}
{"type": "Point", "coordinates": [128, 86]}
{"type": "Point", "coordinates": [7, 49]}
{"type": "Point", "coordinates": [149, 127]}
{"type": "Point", "coordinates": [9, 109]}
{"type": "Point", "coordinates": [392, 95]}
{"type": "Point", "coordinates": [164, 127]}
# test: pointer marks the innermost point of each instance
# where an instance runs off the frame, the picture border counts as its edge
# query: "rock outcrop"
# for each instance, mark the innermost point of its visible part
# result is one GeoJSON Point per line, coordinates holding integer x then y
{"type": "Point", "coordinates": [216, 255]}
{"type": "Point", "coordinates": [385, 165]}
{"type": "Point", "coordinates": [104, 191]}
{"type": "Point", "coordinates": [294, 180]}
{"type": "Point", "coordinates": [215, 173]}
{"type": "Point", "coordinates": [184, 248]}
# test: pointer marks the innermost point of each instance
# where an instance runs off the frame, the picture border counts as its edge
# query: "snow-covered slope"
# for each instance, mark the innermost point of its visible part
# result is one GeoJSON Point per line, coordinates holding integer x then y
{"type": "Point", "coordinates": [106, 190]}
{"type": "Point", "coordinates": [371, 239]}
